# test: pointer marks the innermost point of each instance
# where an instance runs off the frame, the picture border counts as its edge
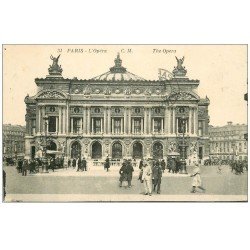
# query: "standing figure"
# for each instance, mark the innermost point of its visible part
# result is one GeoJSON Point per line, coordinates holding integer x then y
{"type": "Point", "coordinates": [78, 162]}
{"type": "Point", "coordinates": [130, 171]}
{"type": "Point", "coordinates": [157, 175]}
{"type": "Point", "coordinates": [123, 173]}
{"type": "Point", "coordinates": [74, 163]}
{"type": "Point", "coordinates": [147, 179]}
{"type": "Point", "coordinates": [84, 164]}
{"type": "Point", "coordinates": [163, 165]}
{"type": "Point", "coordinates": [196, 179]}
{"type": "Point", "coordinates": [25, 167]}
{"type": "Point", "coordinates": [107, 164]}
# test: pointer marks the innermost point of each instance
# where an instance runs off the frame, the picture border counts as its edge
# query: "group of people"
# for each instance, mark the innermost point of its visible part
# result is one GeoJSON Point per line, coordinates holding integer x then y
{"type": "Point", "coordinates": [150, 175]}
{"type": "Point", "coordinates": [79, 163]}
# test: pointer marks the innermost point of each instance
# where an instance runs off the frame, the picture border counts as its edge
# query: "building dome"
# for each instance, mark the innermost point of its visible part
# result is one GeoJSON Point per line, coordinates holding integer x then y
{"type": "Point", "coordinates": [118, 73]}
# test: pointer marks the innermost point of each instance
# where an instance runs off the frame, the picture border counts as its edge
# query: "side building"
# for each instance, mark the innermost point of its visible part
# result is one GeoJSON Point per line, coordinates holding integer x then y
{"type": "Point", "coordinates": [228, 142]}
{"type": "Point", "coordinates": [13, 141]}
{"type": "Point", "coordinates": [118, 114]}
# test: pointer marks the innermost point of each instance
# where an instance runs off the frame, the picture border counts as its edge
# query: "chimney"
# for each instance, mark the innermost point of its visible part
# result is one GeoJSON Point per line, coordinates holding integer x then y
{"type": "Point", "coordinates": [229, 123]}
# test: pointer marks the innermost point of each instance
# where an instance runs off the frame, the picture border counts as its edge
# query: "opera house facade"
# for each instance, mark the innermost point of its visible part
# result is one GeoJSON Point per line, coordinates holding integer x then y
{"type": "Point", "coordinates": [118, 114]}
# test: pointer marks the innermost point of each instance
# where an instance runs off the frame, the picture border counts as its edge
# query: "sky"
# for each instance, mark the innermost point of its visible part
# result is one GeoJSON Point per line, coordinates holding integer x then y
{"type": "Point", "coordinates": [221, 69]}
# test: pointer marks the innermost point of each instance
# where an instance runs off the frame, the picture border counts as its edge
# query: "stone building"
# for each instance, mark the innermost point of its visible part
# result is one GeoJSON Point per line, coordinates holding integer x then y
{"type": "Point", "coordinates": [118, 114]}
{"type": "Point", "coordinates": [13, 140]}
{"type": "Point", "coordinates": [228, 142]}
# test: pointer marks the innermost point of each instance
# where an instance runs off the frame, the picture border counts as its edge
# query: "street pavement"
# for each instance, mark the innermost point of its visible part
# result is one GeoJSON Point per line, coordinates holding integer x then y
{"type": "Point", "coordinates": [99, 185]}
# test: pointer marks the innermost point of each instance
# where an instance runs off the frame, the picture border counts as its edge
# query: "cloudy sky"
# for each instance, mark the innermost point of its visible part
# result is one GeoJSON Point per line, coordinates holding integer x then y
{"type": "Point", "coordinates": [222, 71]}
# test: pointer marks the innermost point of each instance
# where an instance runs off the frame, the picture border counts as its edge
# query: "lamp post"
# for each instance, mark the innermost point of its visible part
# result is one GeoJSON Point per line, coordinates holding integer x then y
{"type": "Point", "coordinates": [183, 161]}
{"type": "Point", "coordinates": [45, 163]}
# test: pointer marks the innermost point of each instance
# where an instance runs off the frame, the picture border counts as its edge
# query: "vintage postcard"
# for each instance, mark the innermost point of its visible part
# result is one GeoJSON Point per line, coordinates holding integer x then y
{"type": "Point", "coordinates": [124, 123]}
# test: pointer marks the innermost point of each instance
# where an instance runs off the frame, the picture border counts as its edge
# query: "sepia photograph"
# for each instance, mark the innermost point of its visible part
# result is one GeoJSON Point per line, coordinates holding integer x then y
{"type": "Point", "coordinates": [125, 123]}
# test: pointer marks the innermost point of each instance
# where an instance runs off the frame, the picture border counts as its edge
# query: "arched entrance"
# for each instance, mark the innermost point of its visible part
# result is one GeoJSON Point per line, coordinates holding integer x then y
{"type": "Point", "coordinates": [137, 150]}
{"type": "Point", "coordinates": [96, 150]}
{"type": "Point", "coordinates": [117, 150]}
{"type": "Point", "coordinates": [50, 148]}
{"type": "Point", "coordinates": [76, 149]}
{"type": "Point", "coordinates": [157, 151]}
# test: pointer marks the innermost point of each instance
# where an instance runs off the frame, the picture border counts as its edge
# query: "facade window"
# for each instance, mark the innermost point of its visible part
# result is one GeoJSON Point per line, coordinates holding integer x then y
{"type": "Point", "coordinates": [182, 125]}
{"type": "Point", "coordinates": [200, 128]}
{"type": "Point", "coordinates": [137, 125]}
{"type": "Point", "coordinates": [97, 125]}
{"type": "Point", "coordinates": [157, 125]}
{"type": "Point", "coordinates": [52, 124]}
{"type": "Point", "coordinates": [33, 127]}
{"type": "Point", "coordinates": [76, 125]}
{"type": "Point", "coordinates": [117, 125]}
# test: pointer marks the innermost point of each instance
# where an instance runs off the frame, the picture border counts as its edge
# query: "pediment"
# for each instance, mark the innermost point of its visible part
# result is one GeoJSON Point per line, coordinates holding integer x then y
{"type": "Point", "coordinates": [183, 96]}
{"type": "Point", "coordinates": [51, 94]}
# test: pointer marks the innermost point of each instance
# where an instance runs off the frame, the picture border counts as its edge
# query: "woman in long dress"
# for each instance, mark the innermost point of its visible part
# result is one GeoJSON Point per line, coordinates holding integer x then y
{"type": "Point", "coordinates": [196, 179]}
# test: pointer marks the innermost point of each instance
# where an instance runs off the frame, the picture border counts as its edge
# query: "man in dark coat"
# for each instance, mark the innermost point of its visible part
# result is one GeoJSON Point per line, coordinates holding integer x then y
{"type": "Point", "coordinates": [107, 164]}
{"type": "Point", "coordinates": [25, 167]}
{"type": "Point", "coordinates": [84, 164]}
{"type": "Point", "coordinates": [74, 163]}
{"type": "Point", "coordinates": [130, 171]}
{"type": "Point", "coordinates": [157, 174]}
{"type": "Point", "coordinates": [19, 166]}
{"type": "Point", "coordinates": [123, 173]}
{"type": "Point", "coordinates": [163, 165]}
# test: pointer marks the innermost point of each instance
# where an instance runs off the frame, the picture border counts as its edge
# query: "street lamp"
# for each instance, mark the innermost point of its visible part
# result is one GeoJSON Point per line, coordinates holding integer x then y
{"type": "Point", "coordinates": [183, 161]}
{"type": "Point", "coordinates": [45, 167]}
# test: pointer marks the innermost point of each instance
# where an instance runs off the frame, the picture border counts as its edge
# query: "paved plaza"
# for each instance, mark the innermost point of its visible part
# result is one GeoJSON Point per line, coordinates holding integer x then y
{"type": "Point", "coordinates": [99, 185]}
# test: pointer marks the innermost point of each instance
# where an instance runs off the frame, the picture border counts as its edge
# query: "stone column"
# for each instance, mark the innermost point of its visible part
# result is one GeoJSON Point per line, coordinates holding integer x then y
{"type": "Point", "coordinates": [67, 120]}
{"type": "Point", "coordinates": [162, 125]}
{"type": "Point", "coordinates": [149, 121]}
{"type": "Point", "coordinates": [166, 121]}
{"type": "Point", "coordinates": [129, 120]}
{"type": "Point", "coordinates": [101, 125]}
{"type": "Point", "coordinates": [84, 120]}
{"type": "Point", "coordinates": [125, 121]}
{"type": "Point", "coordinates": [109, 120]}
{"type": "Point", "coordinates": [195, 121]}
{"type": "Point", "coordinates": [59, 120]}
{"type": "Point", "coordinates": [177, 124]}
{"type": "Point", "coordinates": [63, 120]}
{"type": "Point", "coordinates": [174, 128]}
{"type": "Point", "coordinates": [71, 127]}
{"type": "Point", "coordinates": [122, 125]}
{"type": "Point", "coordinates": [92, 125]}
{"type": "Point", "coordinates": [88, 120]}
{"type": "Point", "coordinates": [189, 121]}
{"type": "Point", "coordinates": [145, 121]}
{"type": "Point", "coordinates": [141, 125]}
{"type": "Point", "coordinates": [105, 120]}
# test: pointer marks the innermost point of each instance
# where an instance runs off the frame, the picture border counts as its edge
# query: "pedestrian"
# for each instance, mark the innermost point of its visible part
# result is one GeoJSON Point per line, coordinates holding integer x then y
{"type": "Point", "coordinates": [78, 162]}
{"type": "Point", "coordinates": [163, 165]}
{"type": "Point", "coordinates": [157, 175]}
{"type": "Point", "coordinates": [19, 166]}
{"type": "Point", "coordinates": [74, 163]}
{"type": "Point", "coordinates": [147, 178]}
{"type": "Point", "coordinates": [196, 179]}
{"type": "Point", "coordinates": [84, 164]}
{"type": "Point", "coordinates": [25, 167]}
{"type": "Point", "coordinates": [32, 166]}
{"type": "Point", "coordinates": [4, 184]}
{"type": "Point", "coordinates": [52, 164]}
{"type": "Point", "coordinates": [123, 173]}
{"type": "Point", "coordinates": [130, 171]}
{"type": "Point", "coordinates": [107, 164]}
